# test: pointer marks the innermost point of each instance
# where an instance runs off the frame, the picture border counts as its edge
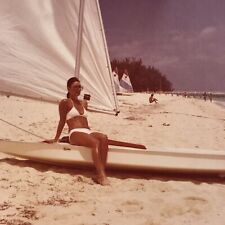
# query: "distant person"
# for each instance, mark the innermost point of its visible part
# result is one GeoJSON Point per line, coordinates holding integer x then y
{"type": "Point", "coordinates": [204, 96]}
{"type": "Point", "coordinates": [210, 97]}
{"type": "Point", "coordinates": [152, 99]}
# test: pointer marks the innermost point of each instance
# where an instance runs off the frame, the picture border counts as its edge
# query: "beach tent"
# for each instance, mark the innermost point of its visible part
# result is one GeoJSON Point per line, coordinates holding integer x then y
{"type": "Point", "coordinates": [45, 42]}
{"type": "Point", "coordinates": [125, 83]}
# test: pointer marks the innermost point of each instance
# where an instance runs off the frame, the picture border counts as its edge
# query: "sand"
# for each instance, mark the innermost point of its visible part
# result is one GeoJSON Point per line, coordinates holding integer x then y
{"type": "Point", "coordinates": [38, 194]}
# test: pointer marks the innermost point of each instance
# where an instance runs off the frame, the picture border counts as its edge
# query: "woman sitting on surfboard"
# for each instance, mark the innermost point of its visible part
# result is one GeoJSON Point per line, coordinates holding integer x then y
{"type": "Point", "coordinates": [73, 112]}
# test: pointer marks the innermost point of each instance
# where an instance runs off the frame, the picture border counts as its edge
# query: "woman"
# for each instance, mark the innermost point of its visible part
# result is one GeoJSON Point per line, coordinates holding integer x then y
{"type": "Point", "coordinates": [73, 112]}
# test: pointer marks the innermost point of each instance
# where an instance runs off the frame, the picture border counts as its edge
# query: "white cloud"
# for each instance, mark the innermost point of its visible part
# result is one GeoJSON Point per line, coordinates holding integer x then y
{"type": "Point", "coordinates": [129, 49]}
{"type": "Point", "coordinates": [208, 31]}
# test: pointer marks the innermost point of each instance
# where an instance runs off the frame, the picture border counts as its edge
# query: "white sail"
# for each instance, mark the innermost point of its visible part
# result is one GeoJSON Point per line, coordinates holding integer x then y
{"type": "Point", "coordinates": [125, 83]}
{"type": "Point", "coordinates": [40, 44]}
{"type": "Point", "coordinates": [116, 82]}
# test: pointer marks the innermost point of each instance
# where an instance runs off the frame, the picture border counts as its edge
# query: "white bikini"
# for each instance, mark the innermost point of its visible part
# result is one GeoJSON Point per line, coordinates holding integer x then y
{"type": "Point", "coordinates": [73, 113]}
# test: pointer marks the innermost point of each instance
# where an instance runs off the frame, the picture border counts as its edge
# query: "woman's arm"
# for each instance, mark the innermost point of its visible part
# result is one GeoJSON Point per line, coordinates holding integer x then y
{"type": "Point", "coordinates": [63, 108]}
{"type": "Point", "coordinates": [85, 104]}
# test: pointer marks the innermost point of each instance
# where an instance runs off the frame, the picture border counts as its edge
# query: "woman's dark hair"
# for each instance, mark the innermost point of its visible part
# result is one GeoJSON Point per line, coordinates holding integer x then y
{"type": "Point", "coordinates": [70, 82]}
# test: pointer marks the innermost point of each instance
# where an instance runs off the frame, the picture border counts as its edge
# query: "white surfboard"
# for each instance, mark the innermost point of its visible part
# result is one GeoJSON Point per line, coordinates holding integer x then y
{"type": "Point", "coordinates": [166, 160]}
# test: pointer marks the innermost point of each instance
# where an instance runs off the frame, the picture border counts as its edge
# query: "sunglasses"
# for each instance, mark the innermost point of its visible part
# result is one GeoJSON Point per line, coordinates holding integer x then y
{"type": "Point", "coordinates": [78, 86]}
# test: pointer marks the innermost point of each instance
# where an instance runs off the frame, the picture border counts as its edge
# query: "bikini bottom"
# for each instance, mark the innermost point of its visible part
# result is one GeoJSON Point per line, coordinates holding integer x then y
{"type": "Point", "coordinates": [82, 130]}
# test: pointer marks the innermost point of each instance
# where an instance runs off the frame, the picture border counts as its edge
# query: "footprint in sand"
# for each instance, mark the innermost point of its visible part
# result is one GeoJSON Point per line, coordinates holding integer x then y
{"type": "Point", "coordinates": [138, 187]}
{"type": "Point", "coordinates": [14, 222]}
{"type": "Point", "coordinates": [191, 205]}
{"type": "Point", "coordinates": [134, 118]}
{"type": "Point", "coordinates": [196, 205]}
{"type": "Point", "coordinates": [195, 200]}
{"type": "Point", "coordinates": [166, 124]}
{"type": "Point", "coordinates": [28, 212]}
{"type": "Point", "coordinates": [132, 206]}
{"type": "Point", "coordinates": [5, 205]}
{"type": "Point", "coordinates": [172, 210]}
{"type": "Point", "coordinates": [33, 125]}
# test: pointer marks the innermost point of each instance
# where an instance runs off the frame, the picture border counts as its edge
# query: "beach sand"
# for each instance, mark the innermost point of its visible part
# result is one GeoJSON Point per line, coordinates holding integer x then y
{"type": "Point", "coordinates": [38, 194]}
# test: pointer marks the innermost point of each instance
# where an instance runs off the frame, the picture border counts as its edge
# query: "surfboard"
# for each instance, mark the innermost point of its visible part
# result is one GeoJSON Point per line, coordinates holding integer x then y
{"type": "Point", "coordinates": [159, 160]}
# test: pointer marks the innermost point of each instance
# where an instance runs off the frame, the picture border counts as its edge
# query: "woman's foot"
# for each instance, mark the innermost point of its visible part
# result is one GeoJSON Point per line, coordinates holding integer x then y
{"type": "Point", "coordinates": [102, 180]}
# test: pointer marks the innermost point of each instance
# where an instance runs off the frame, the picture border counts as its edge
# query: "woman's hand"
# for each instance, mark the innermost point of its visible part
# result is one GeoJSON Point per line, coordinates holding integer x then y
{"type": "Point", "coordinates": [50, 141]}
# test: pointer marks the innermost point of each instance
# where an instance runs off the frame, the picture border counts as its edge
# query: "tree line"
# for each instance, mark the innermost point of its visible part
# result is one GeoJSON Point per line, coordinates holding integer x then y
{"type": "Point", "coordinates": [143, 78]}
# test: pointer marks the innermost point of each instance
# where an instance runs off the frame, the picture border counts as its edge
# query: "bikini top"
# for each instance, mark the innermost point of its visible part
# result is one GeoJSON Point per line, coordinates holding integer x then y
{"type": "Point", "coordinates": [74, 112]}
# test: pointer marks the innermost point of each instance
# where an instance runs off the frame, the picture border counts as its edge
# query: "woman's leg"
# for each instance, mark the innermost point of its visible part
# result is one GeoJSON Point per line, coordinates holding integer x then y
{"type": "Point", "coordinates": [104, 147]}
{"type": "Point", "coordinates": [83, 139]}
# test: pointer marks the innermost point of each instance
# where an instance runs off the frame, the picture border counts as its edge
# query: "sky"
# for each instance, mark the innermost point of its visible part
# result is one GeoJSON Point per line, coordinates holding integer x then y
{"type": "Point", "coordinates": [183, 39]}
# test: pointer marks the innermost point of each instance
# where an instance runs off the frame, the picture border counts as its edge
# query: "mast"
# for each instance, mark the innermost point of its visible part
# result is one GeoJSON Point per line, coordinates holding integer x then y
{"type": "Point", "coordinates": [107, 59]}
{"type": "Point", "coordinates": [79, 39]}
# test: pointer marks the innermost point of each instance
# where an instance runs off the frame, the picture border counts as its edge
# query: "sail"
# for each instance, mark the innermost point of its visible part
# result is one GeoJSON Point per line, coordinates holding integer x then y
{"type": "Point", "coordinates": [125, 83]}
{"type": "Point", "coordinates": [41, 41]}
{"type": "Point", "coordinates": [116, 82]}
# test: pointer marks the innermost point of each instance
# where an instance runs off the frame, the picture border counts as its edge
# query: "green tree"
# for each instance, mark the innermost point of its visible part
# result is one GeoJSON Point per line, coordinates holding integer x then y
{"type": "Point", "coordinates": [142, 78]}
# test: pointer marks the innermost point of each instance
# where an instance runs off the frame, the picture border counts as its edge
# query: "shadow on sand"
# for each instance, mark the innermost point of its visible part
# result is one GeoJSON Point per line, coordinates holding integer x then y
{"type": "Point", "coordinates": [89, 172]}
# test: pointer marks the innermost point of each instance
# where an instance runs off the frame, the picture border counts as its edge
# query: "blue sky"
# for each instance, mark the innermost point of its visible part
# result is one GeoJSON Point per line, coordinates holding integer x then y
{"type": "Point", "coordinates": [184, 39]}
